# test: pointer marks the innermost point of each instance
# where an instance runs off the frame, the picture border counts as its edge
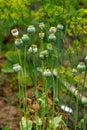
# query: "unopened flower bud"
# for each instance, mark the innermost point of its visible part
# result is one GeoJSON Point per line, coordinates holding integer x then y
{"type": "Point", "coordinates": [41, 26]}
{"type": "Point", "coordinates": [60, 27]}
{"type": "Point", "coordinates": [41, 35]}
{"type": "Point", "coordinates": [52, 30]}
{"type": "Point", "coordinates": [16, 67]}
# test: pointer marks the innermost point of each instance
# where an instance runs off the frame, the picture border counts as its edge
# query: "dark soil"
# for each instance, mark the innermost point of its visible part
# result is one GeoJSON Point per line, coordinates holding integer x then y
{"type": "Point", "coordinates": [9, 117]}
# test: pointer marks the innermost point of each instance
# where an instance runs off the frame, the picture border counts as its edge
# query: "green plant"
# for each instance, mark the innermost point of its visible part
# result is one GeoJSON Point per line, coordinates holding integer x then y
{"type": "Point", "coordinates": [43, 54]}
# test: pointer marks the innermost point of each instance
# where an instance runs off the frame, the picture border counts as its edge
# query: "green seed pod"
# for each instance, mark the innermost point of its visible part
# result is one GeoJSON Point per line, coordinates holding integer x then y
{"type": "Point", "coordinates": [52, 38]}
{"type": "Point", "coordinates": [31, 29]}
{"type": "Point", "coordinates": [25, 37]}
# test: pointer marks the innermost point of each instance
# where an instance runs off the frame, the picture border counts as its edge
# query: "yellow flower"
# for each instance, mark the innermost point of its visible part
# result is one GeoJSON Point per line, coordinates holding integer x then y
{"type": "Point", "coordinates": [85, 11]}
{"type": "Point", "coordinates": [69, 32]}
{"type": "Point", "coordinates": [62, 70]}
{"type": "Point", "coordinates": [71, 26]}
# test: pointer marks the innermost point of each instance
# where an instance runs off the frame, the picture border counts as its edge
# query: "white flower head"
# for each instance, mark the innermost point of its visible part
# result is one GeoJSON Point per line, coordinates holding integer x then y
{"type": "Point", "coordinates": [16, 67]}
{"type": "Point", "coordinates": [43, 54]}
{"type": "Point", "coordinates": [47, 73]}
{"type": "Point", "coordinates": [52, 30]}
{"type": "Point", "coordinates": [33, 49]}
{"type": "Point", "coordinates": [41, 35]}
{"type": "Point", "coordinates": [41, 26]}
{"type": "Point", "coordinates": [15, 32]}
{"type": "Point", "coordinates": [60, 27]}
{"type": "Point", "coordinates": [31, 29]}
{"type": "Point", "coordinates": [66, 109]}
{"type": "Point", "coordinates": [18, 42]}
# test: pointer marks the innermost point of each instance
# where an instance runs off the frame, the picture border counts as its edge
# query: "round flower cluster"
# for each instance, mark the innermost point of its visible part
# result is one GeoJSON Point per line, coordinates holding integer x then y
{"type": "Point", "coordinates": [41, 35]}
{"type": "Point", "coordinates": [74, 71]}
{"type": "Point", "coordinates": [33, 49]}
{"type": "Point", "coordinates": [52, 37]}
{"type": "Point", "coordinates": [81, 66]}
{"type": "Point", "coordinates": [31, 29]}
{"type": "Point", "coordinates": [25, 37]}
{"type": "Point", "coordinates": [16, 67]}
{"type": "Point", "coordinates": [18, 42]}
{"type": "Point", "coordinates": [41, 26]}
{"type": "Point", "coordinates": [47, 73]}
{"type": "Point", "coordinates": [49, 47]}
{"type": "Point", "coordinates": [60, 27]}
{"type": "Point", "coordinates": [52, 30]}
{"type": "Point", "coordinates": [43, 54]}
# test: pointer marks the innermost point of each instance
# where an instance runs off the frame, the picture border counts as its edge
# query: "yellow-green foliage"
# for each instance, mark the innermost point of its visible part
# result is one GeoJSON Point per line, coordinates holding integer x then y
{"type": "Point", "coordinates": [50, 13]}
{"type": "Point", "coordinates": [78, 23]}
{"type": "Point", "coordinates": [14, 9]}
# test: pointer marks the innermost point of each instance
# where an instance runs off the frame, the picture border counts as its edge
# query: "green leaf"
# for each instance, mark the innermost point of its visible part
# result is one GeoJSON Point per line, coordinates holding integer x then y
{"type": "Point", "coordinates": [39, 122]}
{"type": "Point", "coordinates": [12, 57]}
{"type": "Point", "coordinates": [56, 121]}
{"type": "Point", "coordinates": [7, 67]}
{"type": "Point", "coordinates": [27, 126]}
{"type": "Point", "coordinates": [5, 129]}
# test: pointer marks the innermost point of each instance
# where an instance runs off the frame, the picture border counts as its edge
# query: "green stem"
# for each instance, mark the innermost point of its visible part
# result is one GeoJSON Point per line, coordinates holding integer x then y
{"type": "Point", "coordinates": [76, 114]}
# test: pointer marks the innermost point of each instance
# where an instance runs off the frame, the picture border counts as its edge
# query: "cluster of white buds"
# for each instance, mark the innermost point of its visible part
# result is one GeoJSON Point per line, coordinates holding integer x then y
{"type": "Point", "coordinates": [31, 29]}
{"type": "Point", "coordinates": [47, 73]}
{"type": "Point", "coordinates": [25, 37]}
{"type": "Point", "coordinates": [66, 109]}
{"type": "Point", "coordinates": [17, 67]}
{"type": "Point", "coordinates": [41, 35]}
{"type": "Point", "coordinates": [52, 30]}
{"type": "Point", "coordinates": [43, 54]}
{"type": "Point", "coordinates": [49, 47]}
{"type": "Point", "coordinates": [60, 27]}
{"type": "Point", "coordinates": [15, 32]}
{"type": "Point", "coordinates": [33, 49]}
{"type": "Point", "coordinates": [41, 26]}
{"type": "Point", "coordinates": [81, 66]}
{"type": "Point", "coordinates": [55, 73]}
{"type": "Point", "coordinates": [18, 42]}
{"type": "Point", "coordinates": [74, 71]}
